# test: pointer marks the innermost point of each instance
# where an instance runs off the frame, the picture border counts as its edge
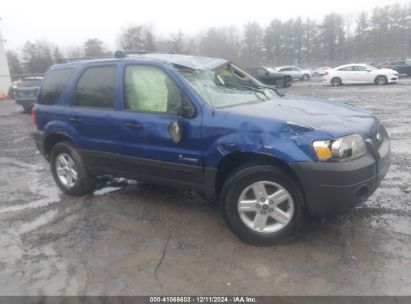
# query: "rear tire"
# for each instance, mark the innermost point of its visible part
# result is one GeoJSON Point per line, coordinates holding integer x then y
{"type": "Point", "coordinates": [305, 77]}
{"type": "Point", "coordinates": [336, 82]}
{"type": "Point", "coordinates": [69, 170]}
{"type": "Point", "coordinates": [269, 218]}
{"type": "Point", "coordinates": [381, 80]}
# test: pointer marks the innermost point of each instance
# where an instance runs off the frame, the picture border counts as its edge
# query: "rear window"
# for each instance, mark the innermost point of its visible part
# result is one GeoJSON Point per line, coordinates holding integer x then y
{"type": "Point", "coordinates": [96, 88]}
{"type": "Point", "coordinates": [53, 86]}
{"type": "Point", "coordinates": [26, 83]}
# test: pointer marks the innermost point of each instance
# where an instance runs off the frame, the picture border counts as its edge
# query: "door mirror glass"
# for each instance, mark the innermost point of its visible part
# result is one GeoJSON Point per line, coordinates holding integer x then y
{"type": "Point", "coordinates": [175, 131]}
{"type": "Point", "coordinates": [187, 109]}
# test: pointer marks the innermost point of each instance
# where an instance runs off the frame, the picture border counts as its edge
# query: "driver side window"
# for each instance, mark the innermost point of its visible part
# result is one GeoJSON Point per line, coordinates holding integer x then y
{"type": "Point", "coordinates": [149, 89]}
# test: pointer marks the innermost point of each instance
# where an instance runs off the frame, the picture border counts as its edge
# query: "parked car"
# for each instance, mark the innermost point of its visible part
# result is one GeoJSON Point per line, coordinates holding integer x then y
{"type": "Point", "coordinates": [359, 73]}
{"type": "Point", "coordinates": [172, 119]}
{"type": "Point", "coordinates": [26, 92]}
{"type": "Point", "coordinates": [294, 72]}
{"type": "Point", "coordinates": [270, 76]}
{"type": "Point", "coordinates": [13, 86]}
{"type": "Point", "coordinates": [403, 67]}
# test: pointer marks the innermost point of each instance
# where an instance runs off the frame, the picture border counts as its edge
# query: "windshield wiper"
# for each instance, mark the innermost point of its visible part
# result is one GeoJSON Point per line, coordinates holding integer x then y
{"type": "Point", "coordinates": [255, 90]}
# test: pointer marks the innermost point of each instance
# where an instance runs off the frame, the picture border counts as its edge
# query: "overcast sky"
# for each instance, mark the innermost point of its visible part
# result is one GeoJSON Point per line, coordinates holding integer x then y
{"type": "Point", "coordinates": [70, 23]}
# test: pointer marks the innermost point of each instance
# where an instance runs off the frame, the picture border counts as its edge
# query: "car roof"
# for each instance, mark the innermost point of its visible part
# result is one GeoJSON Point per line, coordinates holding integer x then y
{"type": "Point", "coordinates": [33, 78]}
{"type": "Point", "coordinates": [351, 64]}
{"type": "Point", "coordinates": [187, 61]}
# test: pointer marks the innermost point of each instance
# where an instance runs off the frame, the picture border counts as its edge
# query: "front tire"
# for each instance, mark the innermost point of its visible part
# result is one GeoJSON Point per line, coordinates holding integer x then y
{"type": "Point", "coordinates": [280, 83]}
{"type": "Point", "coordinates": [69, 170]}
{"type": "Point", "coordinates": [381, 80]}
{"type": "Point", "coordinates": [262, 204]}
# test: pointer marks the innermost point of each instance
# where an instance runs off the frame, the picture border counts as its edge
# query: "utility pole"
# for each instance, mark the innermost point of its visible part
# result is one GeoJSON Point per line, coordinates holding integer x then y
{"type": "Point", "coordinates": [5, 80]}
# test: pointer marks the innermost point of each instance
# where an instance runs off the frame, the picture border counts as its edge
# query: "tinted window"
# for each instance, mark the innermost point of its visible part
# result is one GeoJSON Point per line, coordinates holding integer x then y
{"type": "Point", "coordinates": [96, 88]}
{"type": "Point", "coordinates": [397, 63]}
{"type": "Point", "coordinates": [261, 72]}
{"type": "Point", "coordinates": [345, 69]}
{"type": "Point", "coordinates": [30, 83]}
{"type": "Point", "coordinates": [285, 70]}
{"type": "Point", "coordinates": [149, 89]}
{"type": "Point", "coordinates": [359, 68]}
{"type": "Point", "coordinates": [53, 86]}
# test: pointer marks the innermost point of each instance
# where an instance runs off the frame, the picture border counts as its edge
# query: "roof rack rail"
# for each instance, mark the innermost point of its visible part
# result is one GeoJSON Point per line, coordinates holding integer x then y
{"type": "Point", "coordinates": [66, 60]}
{"type": "Point", "coordinates": [122, 54]}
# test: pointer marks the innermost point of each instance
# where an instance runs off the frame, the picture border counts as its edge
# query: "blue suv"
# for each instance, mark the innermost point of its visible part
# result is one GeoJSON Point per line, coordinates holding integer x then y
{"type": "Point", "coordinates": [205, 124]}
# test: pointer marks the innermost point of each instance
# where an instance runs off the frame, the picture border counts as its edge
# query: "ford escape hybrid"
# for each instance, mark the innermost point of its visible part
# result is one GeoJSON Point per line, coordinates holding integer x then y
{"type": "Point", "coordinates": [205, 124]}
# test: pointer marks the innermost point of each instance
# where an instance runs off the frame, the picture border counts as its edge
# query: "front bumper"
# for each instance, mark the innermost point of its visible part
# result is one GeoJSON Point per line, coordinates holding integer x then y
{"type": "Point", "coordinates": [333, 187]}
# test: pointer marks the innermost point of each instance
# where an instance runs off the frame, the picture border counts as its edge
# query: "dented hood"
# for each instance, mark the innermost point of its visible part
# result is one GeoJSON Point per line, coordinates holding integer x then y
{"type": "Point", "coordinates": [337, 119]}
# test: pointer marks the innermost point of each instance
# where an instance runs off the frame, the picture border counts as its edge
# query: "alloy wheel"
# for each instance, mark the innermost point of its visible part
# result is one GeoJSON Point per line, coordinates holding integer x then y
{"type": "Point", "coordinates": [265, 207]}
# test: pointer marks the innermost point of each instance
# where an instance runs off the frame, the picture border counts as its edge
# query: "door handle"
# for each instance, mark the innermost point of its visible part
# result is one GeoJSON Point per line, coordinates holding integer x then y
{"type": "Point", "coordinates": [75, 119]}
{"type": "Point", "coordinates": [134, 125]}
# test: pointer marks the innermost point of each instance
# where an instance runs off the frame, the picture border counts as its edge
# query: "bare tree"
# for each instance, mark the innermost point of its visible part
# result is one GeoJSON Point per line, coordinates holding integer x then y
{"type": "Point", "coordinates": [14, 63]}
{"type": "Point", "coordinates": [94, 48]}
{"type": "Point", "coordinates": [252, 44]}
{"type": "Point", "coordinates": [37, 57]}
{"type": "Point", "coordinates": [138, 38]}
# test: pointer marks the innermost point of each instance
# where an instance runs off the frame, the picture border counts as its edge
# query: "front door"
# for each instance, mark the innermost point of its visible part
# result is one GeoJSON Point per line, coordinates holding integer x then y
{"type": "Point", "coordinates": [152, 110]}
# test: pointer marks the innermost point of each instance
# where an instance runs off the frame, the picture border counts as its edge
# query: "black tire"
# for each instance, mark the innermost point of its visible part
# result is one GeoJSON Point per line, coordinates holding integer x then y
{"type": "Point", "coordinates": [85, 183]}
{"type": "Point", "coordinates": [381, 80]}
{"type": "Point", "coordinates": [336, 81]}
{"type": "Point", "coordinates": [27, 109]}
{"type": "Point", "coordinates": [305, 77]}
{"type": "Point", "coordinates": [280, 83]}
{"type": "Point", "coordinates": [243, 178]}
{"type": "Point", "coordinates": [288, 82]}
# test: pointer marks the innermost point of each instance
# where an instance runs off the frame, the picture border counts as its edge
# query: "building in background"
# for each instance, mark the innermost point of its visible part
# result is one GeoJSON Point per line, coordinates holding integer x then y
{"type": "Point", "coordinates": [5, 80]}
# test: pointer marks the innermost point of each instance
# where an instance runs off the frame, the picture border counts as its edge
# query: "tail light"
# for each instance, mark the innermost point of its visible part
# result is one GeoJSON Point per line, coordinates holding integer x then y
{"type": "Point", "coordinates": [33, 116]}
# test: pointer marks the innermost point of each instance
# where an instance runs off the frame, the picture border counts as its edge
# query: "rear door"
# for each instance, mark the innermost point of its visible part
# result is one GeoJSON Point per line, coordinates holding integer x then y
{"type": "Point", "coordinates": [346, 74]}
{"type": "Point", "coordinates": [92, 114]}
{"type": "Point", "coordinates": [152, 100]}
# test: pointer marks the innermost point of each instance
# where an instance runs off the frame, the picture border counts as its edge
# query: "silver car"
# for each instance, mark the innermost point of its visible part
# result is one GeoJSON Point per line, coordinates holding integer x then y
{"type": "Point", "coordinates": [294, 72]}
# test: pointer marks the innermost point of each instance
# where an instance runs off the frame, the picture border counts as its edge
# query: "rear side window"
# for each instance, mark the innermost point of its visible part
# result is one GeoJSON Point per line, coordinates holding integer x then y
{"type": "Point", "coordinates": [53, 86]}
{"type": "Point", "coordinates": [96, 88]}
{"type": "Point", "coordinates": [346, 69]}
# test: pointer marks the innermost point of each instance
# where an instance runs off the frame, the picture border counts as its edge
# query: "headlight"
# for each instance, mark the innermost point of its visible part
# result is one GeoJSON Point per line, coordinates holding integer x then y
{"type": "Point", "coordinates": [344, 148]}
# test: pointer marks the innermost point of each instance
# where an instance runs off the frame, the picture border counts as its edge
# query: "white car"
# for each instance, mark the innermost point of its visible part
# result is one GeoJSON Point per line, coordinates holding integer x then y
{"type": "Point", "coordinates": [294, 72]}
{"type": "Point", "coordinates": [359, 73]}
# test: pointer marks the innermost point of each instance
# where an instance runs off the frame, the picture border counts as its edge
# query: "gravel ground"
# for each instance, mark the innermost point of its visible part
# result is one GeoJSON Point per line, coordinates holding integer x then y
{"type": "Point", "coordinates": [134, 239]}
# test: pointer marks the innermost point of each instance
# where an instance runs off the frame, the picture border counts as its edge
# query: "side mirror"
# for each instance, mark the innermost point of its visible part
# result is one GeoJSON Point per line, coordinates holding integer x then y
{"type": "Point", "coordinates": [175, 131]}
{"type": "Point", "coordinates": [368, 70]}
{"type": "Point", "coordinates": [267, 73]}
{"type": "Point", "coordinates": [187, 110]}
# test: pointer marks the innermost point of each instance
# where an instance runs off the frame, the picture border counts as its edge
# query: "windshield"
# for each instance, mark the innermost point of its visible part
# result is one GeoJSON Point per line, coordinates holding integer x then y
{"type": "Point", "coordinates": [370, 67]}
{"type": "Point", "coordinates": [227, 86]}
{"type": "Point", "coordinates": [271, 70]}
{"type": "Point", "coordinates": [30, 83]}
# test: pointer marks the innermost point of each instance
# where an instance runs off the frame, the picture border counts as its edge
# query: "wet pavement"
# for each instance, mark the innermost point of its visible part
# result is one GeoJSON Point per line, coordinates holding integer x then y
{"type": "Point", "coordinates": [132, 239]}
